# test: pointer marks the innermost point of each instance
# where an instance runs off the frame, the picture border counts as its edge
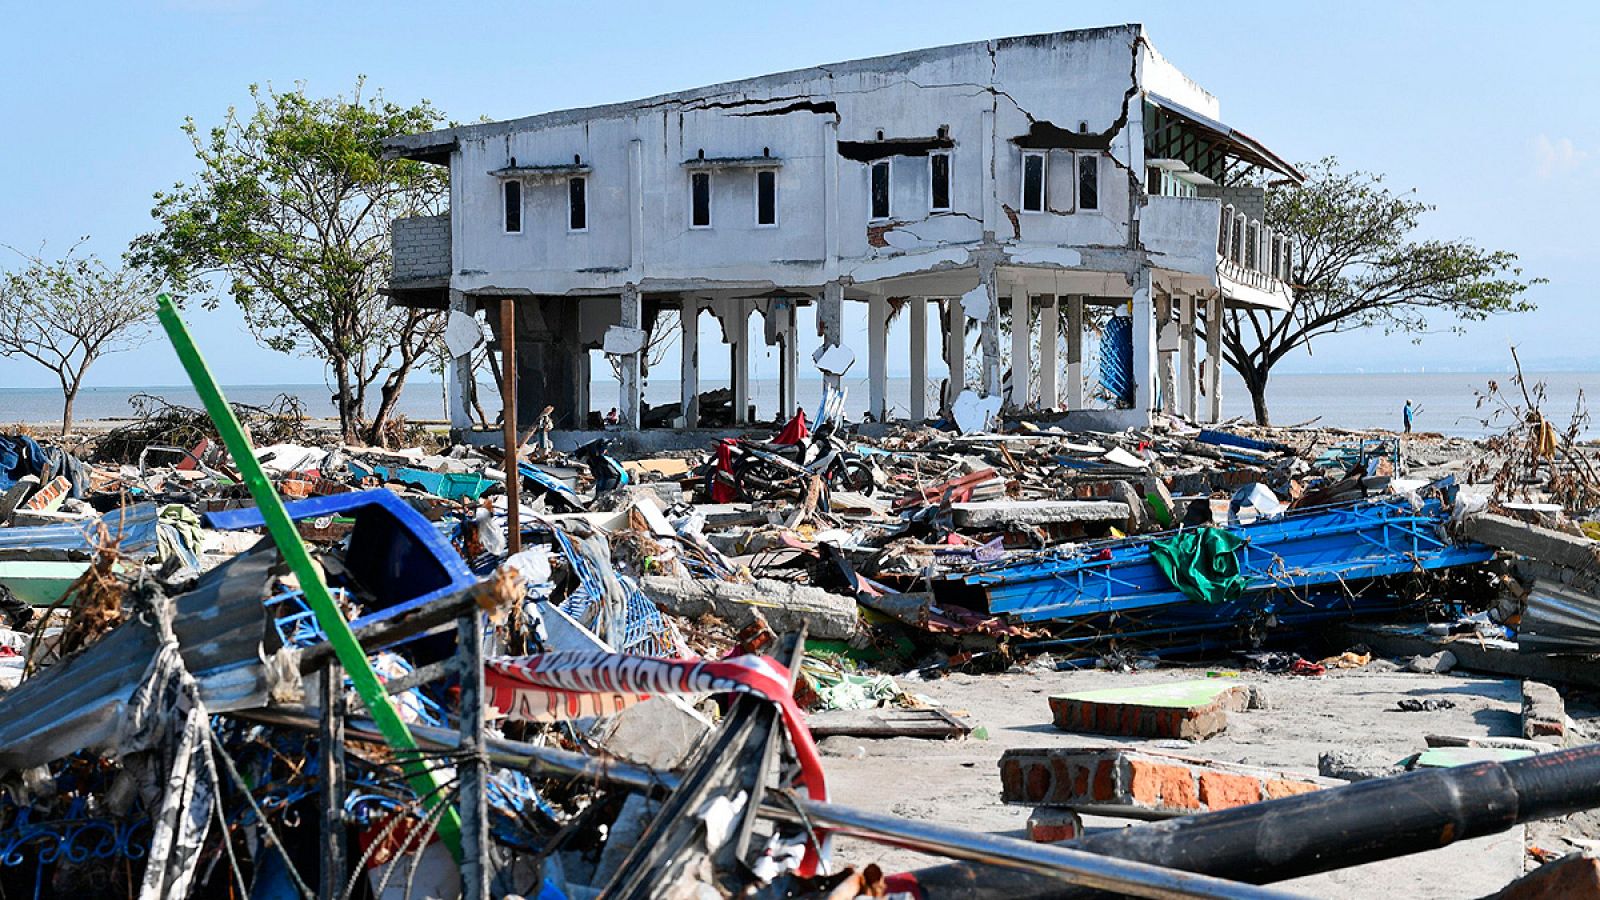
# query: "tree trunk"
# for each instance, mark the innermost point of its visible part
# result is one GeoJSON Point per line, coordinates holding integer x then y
{"type": "Point", "coordinates": [1255, 381]}
{"type": "Point", "coordinates": [389, 398]}
{"type": "Point", "coordinates": [344, 400]}
{"type": "Point", "coordinates": [1258, 400]}
{"type": "Point", "coordinates": [68, 395]}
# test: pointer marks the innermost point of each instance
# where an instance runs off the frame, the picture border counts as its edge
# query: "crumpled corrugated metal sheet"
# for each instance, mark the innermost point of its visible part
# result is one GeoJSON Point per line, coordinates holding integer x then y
{"type": "Point", "coordinates": [79, 703]}
{"type": "Point", "coordinates": [1558, 618]}
{"type": "Point", "coordinates": [134, 526]}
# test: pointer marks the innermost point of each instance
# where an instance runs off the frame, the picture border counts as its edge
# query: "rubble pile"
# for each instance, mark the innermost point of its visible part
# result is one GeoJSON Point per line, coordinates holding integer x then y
{"type": "Point", "coordinates": [660, 634]}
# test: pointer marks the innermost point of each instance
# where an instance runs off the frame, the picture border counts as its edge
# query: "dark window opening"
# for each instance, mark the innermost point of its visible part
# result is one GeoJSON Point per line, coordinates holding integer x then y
{"type": "Point", "coordinates": [1033, 182]}
{"type": "Point", "coordinates": [880, 190]}
{"type": "Point", "coordinates": [767, 198]}
{"type": "Point", "coordinates": [513, 196]}
{"type": "Point", "coordinates": [577, 204]}
{"type": "Point", "coordinates": [700, 190]}
{"type": "Point", "coordinates": [1088, 182]}
{"type": "Point", "coordinates": [939, 175]}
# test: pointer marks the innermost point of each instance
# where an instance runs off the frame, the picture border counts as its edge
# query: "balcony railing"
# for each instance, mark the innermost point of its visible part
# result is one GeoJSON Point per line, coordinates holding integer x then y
{"type": "Point", "coordinates": [1250, 252]}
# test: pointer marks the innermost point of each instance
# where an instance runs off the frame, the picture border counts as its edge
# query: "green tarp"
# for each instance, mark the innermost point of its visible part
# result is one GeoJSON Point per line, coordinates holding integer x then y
{"type": "Point", "coordinates": [1203, 563]}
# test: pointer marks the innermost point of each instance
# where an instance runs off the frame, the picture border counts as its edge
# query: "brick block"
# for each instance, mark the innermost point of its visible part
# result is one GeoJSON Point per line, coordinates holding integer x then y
{"type": "Point", "coordinates": [50, 496]}
{"type": "Point", "coordinates": [1278, 788]}
{"type": "Point", "coordinates": [1051, 825]}
{"type": "Point", "coordinates": [1544, 714]}
{"type": "Point", "coordinates": [1572, 876]}
{"type": "Point", "coordinates": [1191, 710]}
{"type": "Point", "coordinates": [1136, 784]}
{"type": "Point", "coordinates": [1220, 790]}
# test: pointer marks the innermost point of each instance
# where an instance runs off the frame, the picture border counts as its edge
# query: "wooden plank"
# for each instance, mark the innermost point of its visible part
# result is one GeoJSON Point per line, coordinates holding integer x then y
{"type": "Point", "coordinates": [887, 722]}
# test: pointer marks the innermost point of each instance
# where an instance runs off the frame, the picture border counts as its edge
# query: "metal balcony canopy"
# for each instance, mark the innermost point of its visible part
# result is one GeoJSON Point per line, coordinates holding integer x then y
{"type": "Point", "coordinates": [1222, 143]}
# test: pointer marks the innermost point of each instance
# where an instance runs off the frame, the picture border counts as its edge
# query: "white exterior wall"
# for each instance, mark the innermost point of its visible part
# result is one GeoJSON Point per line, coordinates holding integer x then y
{"type": "Point", "coordinates": [1074, 81]}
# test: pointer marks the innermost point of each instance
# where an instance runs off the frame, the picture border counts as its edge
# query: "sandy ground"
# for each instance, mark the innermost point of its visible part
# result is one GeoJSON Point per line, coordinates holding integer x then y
{"type": "Point", "coordinates": [958, 782]}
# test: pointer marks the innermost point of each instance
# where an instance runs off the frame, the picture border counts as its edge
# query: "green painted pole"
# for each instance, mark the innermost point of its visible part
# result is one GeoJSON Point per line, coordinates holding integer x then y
{"type": "Point", "coordinates": [351, 655]}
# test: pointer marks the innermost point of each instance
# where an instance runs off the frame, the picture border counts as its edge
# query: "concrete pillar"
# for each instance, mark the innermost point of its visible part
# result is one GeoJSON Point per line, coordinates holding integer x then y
{"type": "Point", "coordinates": [1166, 347]}
{"type": "Point", "coordinates": [689, 370]}
{"type": "Point", "coordinates": [1214, 359]}
{"type": "Point", "coordinates": [1021, 347]}
{"type": "Point", "coordinates": [1077, 389]}
{"type": "Point", "coordinates": [955, 351]}
{"type": "Point", "coordinates": [830, 321]}
{"type": "Point", "coordinates": [878, 358]}
{"type": "Point", "coordinates": [1144, 340]}
{"type": "Point", "coordinates": [1190, 382]}
{"type": "Point", "coordinates": [629, 395]}
{"type": "Point", "coordinates": [788, 359]}
{"type": "Point", "coordinates": [739, 361]}
{"type": "Point", "coordinates": [581, 401]}
{"type": "Point", "coordinates": [989, 336]}
{"type": "Point", "coordinates": [462, 388]}
{"type": "Point", "coordinates": [1049, 360]}
{"type": "Point", "coordinates": [919, 358]}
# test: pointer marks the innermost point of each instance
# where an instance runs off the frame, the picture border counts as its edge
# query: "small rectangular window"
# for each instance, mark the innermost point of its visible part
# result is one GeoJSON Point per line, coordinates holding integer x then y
{"type": "Point", "coordinates": [939, 181]}
{"type": "Point", "coordinates": [513, 198]}
{"type": "Point", "coordinates": [1089, 181]}
{"type": "Point", "coordinates": [880, 189]}
{"type": "Point", "coordinates": [700, 200]}
{"type": "Point", "coordinates": [1033, 182]}
{"type": "Point", "coordinates": [578, 204]}
{"type": "Point", "coordinates": [766, 197]}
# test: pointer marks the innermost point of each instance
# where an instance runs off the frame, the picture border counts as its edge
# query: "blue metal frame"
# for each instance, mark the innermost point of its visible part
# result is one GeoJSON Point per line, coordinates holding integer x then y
{"type": "Point", "coordinates": [1313, 548]}
{"type": "Point", "coordinates": [395, 552]}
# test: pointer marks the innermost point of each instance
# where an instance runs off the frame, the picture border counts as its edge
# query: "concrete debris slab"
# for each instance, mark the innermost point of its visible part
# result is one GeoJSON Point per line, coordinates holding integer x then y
{"type": "Point", "coordinates": [784, 605]}
{"type": "Point", "coordinates": [621, 340]}
{"type": "Point", "coordinates": [1001, 514]}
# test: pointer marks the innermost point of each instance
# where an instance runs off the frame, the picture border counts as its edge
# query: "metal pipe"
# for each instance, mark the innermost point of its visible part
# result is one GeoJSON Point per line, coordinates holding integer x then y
{"type": "Point", "coordinates": [508, 420]}
{"type": "Point", "coordinates": [1328, 829]}
{"type": "Point", "coordinates": [1076, 867]}
{"type": "Point", "coordinates": [1050, 861]}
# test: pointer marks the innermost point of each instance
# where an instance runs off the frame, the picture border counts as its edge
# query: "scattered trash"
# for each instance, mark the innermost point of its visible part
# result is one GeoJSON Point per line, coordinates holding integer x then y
{"type": "Point", "coordinates": [648, 683]}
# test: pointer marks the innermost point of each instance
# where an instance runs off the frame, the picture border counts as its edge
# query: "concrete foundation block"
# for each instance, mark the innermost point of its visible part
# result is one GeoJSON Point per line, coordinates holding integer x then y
{"type": "Point", "coordinates": [1190, 710]}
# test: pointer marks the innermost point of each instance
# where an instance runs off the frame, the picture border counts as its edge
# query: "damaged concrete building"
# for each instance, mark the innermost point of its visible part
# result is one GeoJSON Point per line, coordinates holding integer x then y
{"type": "Point", "coordinates": [1030, 191]}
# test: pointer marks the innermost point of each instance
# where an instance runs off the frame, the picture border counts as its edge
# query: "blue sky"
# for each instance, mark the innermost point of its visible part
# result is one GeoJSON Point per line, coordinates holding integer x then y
{"type": "Point", "coordinates": [1485, 109]}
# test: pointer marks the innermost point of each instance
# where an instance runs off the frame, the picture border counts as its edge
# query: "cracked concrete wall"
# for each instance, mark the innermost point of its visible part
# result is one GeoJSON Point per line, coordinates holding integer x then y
{"type": "Point", "coordinates": [1079, 89]}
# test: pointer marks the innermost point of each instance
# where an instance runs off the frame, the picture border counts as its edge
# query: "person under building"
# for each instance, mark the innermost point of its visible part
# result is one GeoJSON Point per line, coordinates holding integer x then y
{"type": "Point", "coordinates": [613, 417]}
{"type": "Point", "coordinates": [542, 426]}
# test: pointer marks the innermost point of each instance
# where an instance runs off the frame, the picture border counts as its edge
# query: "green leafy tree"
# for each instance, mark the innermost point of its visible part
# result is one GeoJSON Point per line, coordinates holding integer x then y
{"type": "Point", "coordinates": [291, 211]}
{"type": "Point", "coordinates": [65, 314]}
{"type": "Point", "coordinates": [1358, 264]}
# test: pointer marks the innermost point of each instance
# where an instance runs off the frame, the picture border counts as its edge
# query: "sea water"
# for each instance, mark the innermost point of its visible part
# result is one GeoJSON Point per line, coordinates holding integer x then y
{"type": "Point", "coordinates": [1447, 402]}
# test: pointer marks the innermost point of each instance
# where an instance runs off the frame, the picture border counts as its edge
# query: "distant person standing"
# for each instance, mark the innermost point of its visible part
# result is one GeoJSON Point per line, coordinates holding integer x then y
{"type": "Point", "coordinates": [543, 426]}
{"type": "Point", "coordinates": [1409, 413]}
